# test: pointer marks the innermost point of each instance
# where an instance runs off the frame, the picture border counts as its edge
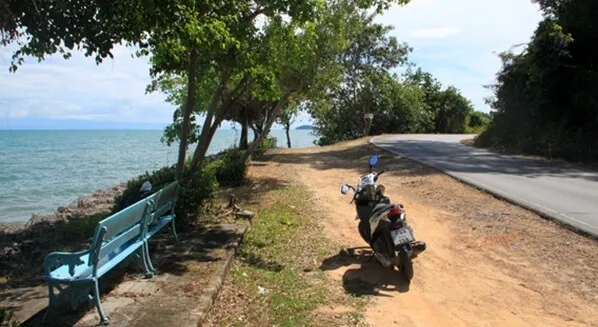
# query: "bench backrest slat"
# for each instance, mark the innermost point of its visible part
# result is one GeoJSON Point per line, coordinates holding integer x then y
{"type": "Point", "coordinates": [166, 200]}
{"type": "Point", "coordinates": [124, 219]}
{"type": "Point", "coordinates": [119, 241]}
{"type": "Point", "coordinates": [120, 228]}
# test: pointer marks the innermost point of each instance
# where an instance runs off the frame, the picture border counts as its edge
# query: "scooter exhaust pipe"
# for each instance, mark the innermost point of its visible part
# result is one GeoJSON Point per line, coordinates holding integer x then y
{"type": "Point", "coordinates": [418, 247]}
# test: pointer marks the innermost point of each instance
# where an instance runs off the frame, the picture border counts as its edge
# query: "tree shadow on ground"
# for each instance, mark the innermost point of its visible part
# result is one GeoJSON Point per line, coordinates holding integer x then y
{"type": "Point", "coordinates": [352, 158]}
{"type": "Point", "coordinates": [65, 317]}
{"type": "Point", "coordinates": [259, 262]}
{"type": "Point", "coordinates": [23, 248]}
{"type": "Point", "coordinates": [454, 157]}
{"type": "Point", "coordinates": [460, 158]}
{"type": "Point", "coordinates": [196, 246]}
{"type": "Point", "coordinates": [365, 276]}
{"type": "Point", "coordinates": [202, 245]}
{"type": "Point", "coordinates": [250, 192]}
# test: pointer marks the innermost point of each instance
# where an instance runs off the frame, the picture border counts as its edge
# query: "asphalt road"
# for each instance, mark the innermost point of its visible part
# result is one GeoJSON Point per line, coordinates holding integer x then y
{"type": "Point", "coordinates": [557, 190]}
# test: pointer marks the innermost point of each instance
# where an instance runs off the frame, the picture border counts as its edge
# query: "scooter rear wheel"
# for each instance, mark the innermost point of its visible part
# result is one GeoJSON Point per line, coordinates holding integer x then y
{"type": "Point", "coordinates": [406, 268]}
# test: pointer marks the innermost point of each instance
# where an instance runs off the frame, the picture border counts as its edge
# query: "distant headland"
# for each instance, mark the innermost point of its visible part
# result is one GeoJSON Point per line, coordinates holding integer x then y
{"type": "Point", "coordinates": [305, 127]}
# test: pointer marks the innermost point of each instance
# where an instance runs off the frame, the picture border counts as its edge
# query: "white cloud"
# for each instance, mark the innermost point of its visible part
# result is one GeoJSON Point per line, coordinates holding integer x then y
{"type": "Point", "coordinates": [17, 113]}
{"type": "Point", "coordinates": [453, 39]}
{"type": "Point", "coordinates": [439, 32]}
{"type": "Point", "coordinates": [457, 40]}
{"type": "Point", "coordinates": [113, 91]}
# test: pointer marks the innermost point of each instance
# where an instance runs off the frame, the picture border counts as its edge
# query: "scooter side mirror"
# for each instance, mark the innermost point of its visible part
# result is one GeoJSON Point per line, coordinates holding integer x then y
{"type": "Point", "coordinates": [374, 160]}
{"type": "Point", "coordinates": [345, 189]}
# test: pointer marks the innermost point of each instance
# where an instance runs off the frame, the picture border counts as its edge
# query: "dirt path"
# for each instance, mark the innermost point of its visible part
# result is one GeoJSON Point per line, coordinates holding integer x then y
{"type": "Point", "coordinates": [488, 263]}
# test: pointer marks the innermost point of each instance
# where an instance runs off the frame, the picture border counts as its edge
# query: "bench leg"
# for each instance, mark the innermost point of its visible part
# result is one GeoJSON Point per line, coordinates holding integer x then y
{"type": "Point", "coordinates": [147, 260]}
{"type": "Point", "coordinates": [176, 238]}
{"type": "Point", "coordinates": [143, 261]}
{"type": "Point", "coordinates": [104, 319]}
{"type": "Point", "coordinates": [51, 303]}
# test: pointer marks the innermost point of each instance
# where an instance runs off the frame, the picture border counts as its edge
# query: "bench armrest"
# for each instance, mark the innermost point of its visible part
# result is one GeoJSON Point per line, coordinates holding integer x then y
{"type": "Point", "coordinates": [57, 259]}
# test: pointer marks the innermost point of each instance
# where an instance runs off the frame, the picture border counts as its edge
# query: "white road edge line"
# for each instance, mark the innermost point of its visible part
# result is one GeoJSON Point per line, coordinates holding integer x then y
{"type": "Point", "coordinates": [530, 204]}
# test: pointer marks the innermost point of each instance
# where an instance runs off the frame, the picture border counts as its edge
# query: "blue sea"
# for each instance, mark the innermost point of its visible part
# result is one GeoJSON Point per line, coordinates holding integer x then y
{"type": "Point", "coordinates": [42, 170]}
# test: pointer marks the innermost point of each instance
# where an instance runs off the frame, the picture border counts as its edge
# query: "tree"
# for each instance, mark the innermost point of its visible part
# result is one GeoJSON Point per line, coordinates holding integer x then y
{"type": "Point", "coordinates": [478, 121]}
{"type": "Point", "coordinates": [546, 96]}
{"type": "Point", "coordinates": [342, 112]}
{"type": "Point", "coordinates": [287, 117]}
{"type": "Point", "coordinates": [453, 112]}
{"type": "Point", "coordinates": [174, 33]}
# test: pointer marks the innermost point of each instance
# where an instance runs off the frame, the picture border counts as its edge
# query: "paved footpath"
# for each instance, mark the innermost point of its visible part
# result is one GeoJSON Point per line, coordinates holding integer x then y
{"type": "Point", "coordinates": [189, 277]}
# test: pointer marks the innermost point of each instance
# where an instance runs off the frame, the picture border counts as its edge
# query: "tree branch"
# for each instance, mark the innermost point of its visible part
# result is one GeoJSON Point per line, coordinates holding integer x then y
{"type": "Point", "coordinates": [266, 130]}
{"type": "Point", "coordinates": [256, 13]}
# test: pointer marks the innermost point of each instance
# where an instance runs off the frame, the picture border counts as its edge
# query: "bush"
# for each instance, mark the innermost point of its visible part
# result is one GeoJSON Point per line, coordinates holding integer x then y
{"type": "Point", "coordinates": [130, 195]}
{"type": "Point", "coordinates": [478, 122]}
{"type": "Point", "coordinates": [229, 166]}
{"type": "Point", "coordinates": [267, 144]}
{"type": "Point", "coordinates": [78, 228]}
{"type": "Point", "coordinates": [195, 190]}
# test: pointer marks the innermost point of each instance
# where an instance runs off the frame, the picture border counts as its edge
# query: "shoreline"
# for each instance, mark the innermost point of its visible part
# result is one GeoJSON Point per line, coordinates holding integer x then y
{"type": "Point", "coordinates": [99, 201]}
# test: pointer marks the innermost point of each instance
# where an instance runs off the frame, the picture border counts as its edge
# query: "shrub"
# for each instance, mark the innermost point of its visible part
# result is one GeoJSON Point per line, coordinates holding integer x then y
{"type": "Point", "coordinates": [196, 190]}
{"type": "Point", "coordinates": [229, 166]}
{"type": "Point", "coordinates": [79, 228]}
{"type": "Point", "coordinates": [130, 195]}
{"type": "Point", "coordinates": [267, 144]}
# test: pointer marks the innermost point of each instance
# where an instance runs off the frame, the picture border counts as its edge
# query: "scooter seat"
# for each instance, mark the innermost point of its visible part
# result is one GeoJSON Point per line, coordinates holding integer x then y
{"type": "Point", "coordinates": [381, 207]}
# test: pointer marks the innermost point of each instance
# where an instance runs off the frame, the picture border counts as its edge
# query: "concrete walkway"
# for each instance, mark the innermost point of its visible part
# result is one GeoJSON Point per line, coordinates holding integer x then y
{"type": "Point", "coordinates": [190, 275]}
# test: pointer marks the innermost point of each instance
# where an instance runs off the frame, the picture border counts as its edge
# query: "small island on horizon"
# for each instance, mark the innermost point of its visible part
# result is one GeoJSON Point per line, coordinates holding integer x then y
{"type": "Point", "coordinates": [305, 127]}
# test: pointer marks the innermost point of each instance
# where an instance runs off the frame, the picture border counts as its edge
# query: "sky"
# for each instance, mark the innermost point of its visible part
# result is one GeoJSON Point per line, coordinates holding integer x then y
{"type": "Point", "coordinates": [455, 40]}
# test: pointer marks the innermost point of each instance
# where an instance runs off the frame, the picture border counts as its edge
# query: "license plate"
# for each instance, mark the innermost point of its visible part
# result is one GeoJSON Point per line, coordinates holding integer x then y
{"type": "Point", "coordinates": [402, 236]}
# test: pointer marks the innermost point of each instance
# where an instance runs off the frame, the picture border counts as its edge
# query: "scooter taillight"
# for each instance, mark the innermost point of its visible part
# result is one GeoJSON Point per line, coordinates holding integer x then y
{"type": "Point", "coordinates": [395, 212]}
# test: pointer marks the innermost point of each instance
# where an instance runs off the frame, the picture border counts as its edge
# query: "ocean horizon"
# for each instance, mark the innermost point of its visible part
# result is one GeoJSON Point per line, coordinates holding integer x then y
{"type": "Point", "coordinates": [41, 170]}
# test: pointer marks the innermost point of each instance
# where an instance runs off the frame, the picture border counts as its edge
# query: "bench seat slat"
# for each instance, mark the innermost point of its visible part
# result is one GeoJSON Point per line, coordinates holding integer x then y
{"type": "Point", "coordinates": [62, 272]}
{"type": "Point", "coordinates": [158, 225]}
{"type": "Point", "coordinates": [118, 257]}
{"type": "Point", "coordinates": [85, 272]}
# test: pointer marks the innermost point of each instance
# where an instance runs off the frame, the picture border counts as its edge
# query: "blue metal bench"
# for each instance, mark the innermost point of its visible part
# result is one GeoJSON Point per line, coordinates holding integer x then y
{"type": "Point", "coordinates": [74, 277]}
{"type": "Point", "coordinates": [162, 215]}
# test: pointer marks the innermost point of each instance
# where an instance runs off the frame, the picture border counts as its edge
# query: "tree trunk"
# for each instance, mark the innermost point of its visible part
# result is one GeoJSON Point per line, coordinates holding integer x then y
{"type": "Point", "coordinates": [243, 143]}
{"type": "Point", "coordinates": [192, 76]}
{"type": "Point", "coordinates": [204, 141]}
{"type": "Point", "coordinates": [255, 134]}
{"type": "Point", "coordinates": [287, 127]}
{"type": "Point", "coordinates": [271, 120]}
{"type": "Point", "coordinates": [218, 114]}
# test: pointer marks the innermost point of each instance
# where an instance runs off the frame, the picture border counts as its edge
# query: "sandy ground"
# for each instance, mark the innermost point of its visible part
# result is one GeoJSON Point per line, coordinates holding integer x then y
{"type": "Point", "coordinates": [488, 263]}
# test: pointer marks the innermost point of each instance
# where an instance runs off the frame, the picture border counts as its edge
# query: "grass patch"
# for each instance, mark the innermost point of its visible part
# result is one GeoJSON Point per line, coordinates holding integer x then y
{"type": "Point", "coordinates": [278, 267]}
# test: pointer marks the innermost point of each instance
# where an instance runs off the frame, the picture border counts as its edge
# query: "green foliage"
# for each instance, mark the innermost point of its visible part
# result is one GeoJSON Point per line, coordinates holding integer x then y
{"type": "Point", "coordinates": [268, 144]}
{"type": "Point", "coordinates": [478, 122]}
{"type": "Point", "coordinates": [453, 112]}
{"type": "Point", "coordinates": [7, 318]}
{"type": "Point", "coordinates": [546, 97]}
{"type": "Point", "coordinates": [412, 103]}
{"type": "Point", "coordinates": [78, 228]}
{"type": "Point", "coordinates": [130, 195]}
{"type": "Point", "coordinates": [229, 166]}
{"type": "Point", "coordinates": [196, 189]}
